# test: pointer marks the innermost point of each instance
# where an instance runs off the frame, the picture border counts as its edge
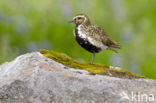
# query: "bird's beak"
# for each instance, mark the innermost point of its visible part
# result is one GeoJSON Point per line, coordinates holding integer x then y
{"type": "Point", "coordinates": [70, 21]}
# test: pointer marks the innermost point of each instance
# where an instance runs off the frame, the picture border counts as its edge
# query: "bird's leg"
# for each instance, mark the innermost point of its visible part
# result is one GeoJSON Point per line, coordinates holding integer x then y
{"type": "Point", "coordinates": [93, 58]}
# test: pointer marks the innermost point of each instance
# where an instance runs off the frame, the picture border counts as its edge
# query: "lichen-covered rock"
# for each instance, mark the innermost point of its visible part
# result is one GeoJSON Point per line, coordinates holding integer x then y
{"type": "Point", "coordinates": [33, 78]}
{"type": "Point", "coordinates": [91, 68]}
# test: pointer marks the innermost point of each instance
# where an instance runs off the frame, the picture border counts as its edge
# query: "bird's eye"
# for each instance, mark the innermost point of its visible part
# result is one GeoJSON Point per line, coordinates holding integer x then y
{"type": "Point", "coordinates": [79, 18]}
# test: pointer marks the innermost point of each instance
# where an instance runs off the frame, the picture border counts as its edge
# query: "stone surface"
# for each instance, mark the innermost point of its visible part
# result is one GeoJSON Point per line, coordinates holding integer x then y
{"type": "Point", "coordinates": [33, 78]}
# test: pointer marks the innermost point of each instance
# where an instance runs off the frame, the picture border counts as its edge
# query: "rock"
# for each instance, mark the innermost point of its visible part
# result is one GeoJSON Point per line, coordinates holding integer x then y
{"type": "Point", "coordinates": [34, 78]}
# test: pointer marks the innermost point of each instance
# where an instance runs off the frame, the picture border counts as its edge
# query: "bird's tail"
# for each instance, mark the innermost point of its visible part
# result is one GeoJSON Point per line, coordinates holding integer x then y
{"type": "Point", "coordinates": [113, 48]}
{"type": "Point", "coordinates": [116, 46]}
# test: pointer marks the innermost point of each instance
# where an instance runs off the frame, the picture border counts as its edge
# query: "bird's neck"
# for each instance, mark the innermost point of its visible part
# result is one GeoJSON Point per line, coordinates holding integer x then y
{"type": "Point", "coordinates": [87, 23]}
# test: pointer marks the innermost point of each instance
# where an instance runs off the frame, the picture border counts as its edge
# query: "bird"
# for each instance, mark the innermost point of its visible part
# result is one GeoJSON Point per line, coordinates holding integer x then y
{"type": "Point", "coordinates": [91, 37]}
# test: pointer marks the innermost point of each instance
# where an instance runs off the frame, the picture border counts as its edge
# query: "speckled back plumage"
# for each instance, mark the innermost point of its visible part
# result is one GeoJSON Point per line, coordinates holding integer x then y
{"type": "Point", "coordinates": [99, 36]}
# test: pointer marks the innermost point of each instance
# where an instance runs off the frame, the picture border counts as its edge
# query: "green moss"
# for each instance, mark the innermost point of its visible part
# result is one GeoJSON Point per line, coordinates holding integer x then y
{"type": "Point", "coordinates": [92, 68]}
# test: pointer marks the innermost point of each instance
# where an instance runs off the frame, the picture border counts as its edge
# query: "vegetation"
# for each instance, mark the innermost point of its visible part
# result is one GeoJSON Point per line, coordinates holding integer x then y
{"type": "Point", "coordinates": [29, 25]}
{"type": "Point", "coordinates": [92, 68]}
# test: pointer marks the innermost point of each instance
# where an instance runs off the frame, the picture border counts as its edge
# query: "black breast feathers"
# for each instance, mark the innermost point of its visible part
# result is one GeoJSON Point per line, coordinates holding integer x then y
{"type": "Point", "coordinates": [84, 42]}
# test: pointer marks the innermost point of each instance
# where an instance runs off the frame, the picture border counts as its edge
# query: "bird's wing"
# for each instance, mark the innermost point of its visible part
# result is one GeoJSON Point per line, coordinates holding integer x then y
{"type": "Point", "coordinates": [100, 35]}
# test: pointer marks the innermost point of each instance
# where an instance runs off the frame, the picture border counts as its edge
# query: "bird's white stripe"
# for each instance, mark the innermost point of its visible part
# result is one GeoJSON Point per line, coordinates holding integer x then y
{"type": "Point", "coordinates": [78, 16]}
{"type": "Point", "coordinates": [81, 35]}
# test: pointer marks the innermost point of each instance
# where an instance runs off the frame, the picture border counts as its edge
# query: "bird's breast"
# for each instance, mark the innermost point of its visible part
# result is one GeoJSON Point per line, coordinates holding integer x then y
{"type": "Point", "coordinates": [85, 41]}
{"type": "Point", "coordinates": [79, 33]}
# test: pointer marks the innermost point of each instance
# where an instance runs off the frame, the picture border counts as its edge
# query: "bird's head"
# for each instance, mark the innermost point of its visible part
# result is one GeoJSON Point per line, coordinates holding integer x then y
{"type": "Point", "coordinates": [80, 19]}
